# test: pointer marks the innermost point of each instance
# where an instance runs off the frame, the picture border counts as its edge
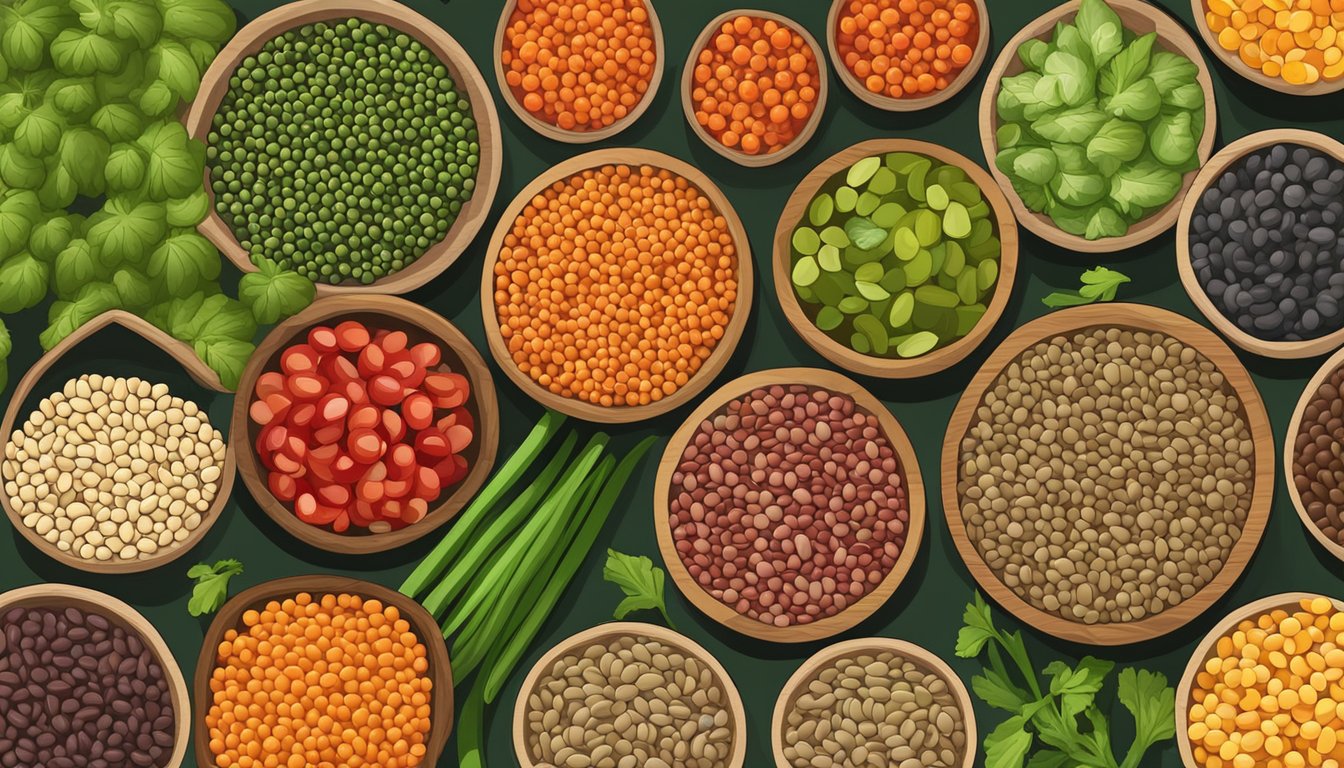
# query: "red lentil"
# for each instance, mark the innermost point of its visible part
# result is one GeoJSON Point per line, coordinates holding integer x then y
{"type": "Point", "coordinates": [907, 48]}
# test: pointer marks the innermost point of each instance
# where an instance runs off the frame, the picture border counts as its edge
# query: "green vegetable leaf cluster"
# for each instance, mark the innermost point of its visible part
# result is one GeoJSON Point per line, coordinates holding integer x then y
{"type": "Point", "coordinates": [1100, 128]}
{"type": "Point", "coordinates": [1099, 284]}
{"type": "Point", "coordinates": [212, 585]}
{"type": "Point", "coordinates": [640, 580]}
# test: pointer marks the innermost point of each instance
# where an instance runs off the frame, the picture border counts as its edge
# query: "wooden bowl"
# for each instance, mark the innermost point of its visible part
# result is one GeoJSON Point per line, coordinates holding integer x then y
{"type": "Point", "coordinates": [1137, 317]}
{"type": "Point", "coordinates": [60, 596]}
{"type": "Point", "coordinates": [688, 84]}
{"type": "Point", "coordinates": [1207, 177]}
{"type": "Point", "coordinates": [555, 132]}
{"type": "Point", "coordinates": [261, 30]}
{"type": "Point", "coordinates": [1233, 61]}
{"type": "Point", "coordinates": [798, 682]}
{"type": "Point", "coordinates": [618, 414]}
{"type": "Point", "coordinates": [917, 103]}
{"type": "Point", "coordinates": [1290, 453]}
{"type": "Point", "coordinates": [605, 633]}
{"type": "Point", "coordinates": [939, 359]}
{"type": "Point", "coordinates": [1139, 17]}
{"type": "Point", "coordinates": [422, 624]}
{"type": "Point", "coordinates": [422, 325]}
{"type": "Point", "coordinates": [27, 388]}
{"type": "Point", "coordinates": [854, 613]}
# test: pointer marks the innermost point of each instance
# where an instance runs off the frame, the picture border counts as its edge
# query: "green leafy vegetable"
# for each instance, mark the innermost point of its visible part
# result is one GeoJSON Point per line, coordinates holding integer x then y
{"type": "Point", "coordinates": [273, 293]}
{"type": "Point", "coordinates": [23, 282]}
{"type": "Point", "coordinates": [1099, 284]}
{"type": "Point", "coordinates": [212, 585]}
{"type": "Point", "coordinates": [1101, 29]}
{"type": "Point", "coordinates": [640, 580]}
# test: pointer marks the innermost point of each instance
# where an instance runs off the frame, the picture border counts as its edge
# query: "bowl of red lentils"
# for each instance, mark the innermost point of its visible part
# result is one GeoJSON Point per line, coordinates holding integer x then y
{"type": "Point", "coordinates": [1290, 46]}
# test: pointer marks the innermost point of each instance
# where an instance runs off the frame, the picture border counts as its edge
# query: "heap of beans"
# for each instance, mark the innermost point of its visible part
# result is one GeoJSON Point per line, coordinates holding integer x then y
{"type": "Point", "coordinates": [580, 65]}
{"type": "Point", "coordinates": [1267, 243]}
{"type": "Point", "coordinates": [874, 709]}
{"type": "Point", "coordinates": [1269, 693]}
{"type": "Point", "coordinates": [327, 680]}
{"type": "Point", "coordinates": [1106, 474]}
{"type": "Point", "coordinates": [342, 151]}
{"type": "Point", "coordinates": [788, 505]}
{"type": "Point", "coordinates": [907, 48]}
{"type": "Point", "coordinates": [113, 469]}
{"type": "Point", "coordinates": [1318, 466]}
{"type": "Point", "coordinates": [614, 286]}
{"type": "Point", "coordinates": [632, 702]}
{"type": "Point", "coordinates": [78, 690]}
{"type": "Point", "coordinates": [362, 428]}
{"type": "Point", "coordinates": [1298, 41]}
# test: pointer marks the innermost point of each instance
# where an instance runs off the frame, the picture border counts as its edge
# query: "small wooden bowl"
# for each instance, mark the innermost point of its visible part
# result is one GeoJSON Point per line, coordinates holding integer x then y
{"type": "Point", "coordinates": [854, 613]}
{"type": "Point", "coordinates": [422, 325]}
{"type": "Point", "coordinates": [27, 388]}
{"type": "Point", "coordinates": [917, 103]}
{"type": "Point", "coordinates": [424, 626]}
{"type": "Point", "coordinates": [939, 359]}
{"type": "Point", "coordinates": [1138, 317]}
{"type": "Point", "coordinates": [1290, 453]}
{"type": "Point", "coordinates": [688, 84]}
{"type": "Point", "coordinates": [1233, 61]}
{"type": "Point", "coordinates": [798, 682]}
{"type": "Point", "coordinates": [1137, 16]}
{"type": "Point", "coordinates": [555, 132]}
{"type": "Point", "coordinates": [1208, 176]}
{"type": "Point", "coordinates": [261, 30]}
{"type": "Point", "coordinates": [605, 633]}
{"type": "Point", "coordinates": [60, 596]}
{"type": "Point", "coordinates": [618, 414]}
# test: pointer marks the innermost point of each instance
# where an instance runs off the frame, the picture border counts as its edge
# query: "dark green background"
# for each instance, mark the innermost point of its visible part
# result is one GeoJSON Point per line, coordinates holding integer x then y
{"type": "Point", "coordinates": [927, 607]}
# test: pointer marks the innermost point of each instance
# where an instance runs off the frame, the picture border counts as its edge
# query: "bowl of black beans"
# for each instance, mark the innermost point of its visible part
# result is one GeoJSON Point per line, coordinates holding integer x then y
{"type": "Point", "coordinates": [1260, 243]}
{"type": "Point", "coordinates": [86, 682]}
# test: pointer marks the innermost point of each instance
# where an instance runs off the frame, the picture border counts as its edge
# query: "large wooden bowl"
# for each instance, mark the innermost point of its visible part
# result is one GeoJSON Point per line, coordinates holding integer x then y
{"type": "Point", "coordinates": [421, 325]}
{"type": "Point", "coordinates": [422, 624]}
{"type": "Point", "coordinates": [618, 414]}
{"type": "Point", "coordinates": [1136, 317]}
{"type": "Point", "coordinates": [798, 682]}
{"type": "Point", "coordinates": [688, 84]}
{"type": "Point", "coordinates": [855, 612]}
{"type": "Point", "coordinates": [261, 30]}
{"type": "Point", "coordinates": [1233, 61]}
{"type": "Point", "coordinates": [1208, 176]}
{"type": "Point", "coordinates": [915, 103]}
{"type": "Point", "coordinates": [1139, 17]}
{"type": "Point", "coordinates": [27, 389]}
{"type": "Point", "coordinates": [795, 211]}
{"type": "Point", "coordinates": [58, 596]}
{"type": "Point", "coordinates": [1290, 453]}
{"type": "Point", "coordinates": [605, 633]}
{"type": "Point", "coordinates": [555, 132]}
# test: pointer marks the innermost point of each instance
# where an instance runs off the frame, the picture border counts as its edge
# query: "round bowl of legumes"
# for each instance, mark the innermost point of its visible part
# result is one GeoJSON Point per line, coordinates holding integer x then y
{"type": "Point", "coordinates": [874, 701]}
{"type": "Point", "coordinates": [1108, 473]}
{"type": "Point", "coordinates": [628, 694]}
{"type": "Point", "coordinates": [352, 141]}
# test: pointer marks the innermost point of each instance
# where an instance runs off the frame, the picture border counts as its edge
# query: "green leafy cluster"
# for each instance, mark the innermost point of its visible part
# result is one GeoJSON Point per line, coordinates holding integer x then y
{"type": "Point", "coordinates": [211, 589]}
{"type": "Point", "coordinates": [1099, 130]}
{"type": "Point", "coordinates": [1098, 284]}
{"type": "Point", "coordinates": [640, 580]}
{"type": "Point", "coordinates": [1061, 725]}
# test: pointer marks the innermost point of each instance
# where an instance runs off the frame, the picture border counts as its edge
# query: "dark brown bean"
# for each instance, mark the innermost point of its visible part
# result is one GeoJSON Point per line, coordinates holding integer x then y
{"type": "Point", "coordinates": [1318, 467]}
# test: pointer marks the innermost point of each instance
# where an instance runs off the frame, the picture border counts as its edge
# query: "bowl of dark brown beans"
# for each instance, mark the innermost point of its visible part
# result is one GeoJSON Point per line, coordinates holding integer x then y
{"type": "Point", "coordinates": [86, 682]}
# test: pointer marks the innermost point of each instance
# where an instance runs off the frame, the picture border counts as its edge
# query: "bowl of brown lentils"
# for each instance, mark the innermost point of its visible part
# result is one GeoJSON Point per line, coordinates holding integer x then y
{"type": "Point", "coordinates": [1108, 473]}
{"type": "Point", "coordinates": [1313, 460]}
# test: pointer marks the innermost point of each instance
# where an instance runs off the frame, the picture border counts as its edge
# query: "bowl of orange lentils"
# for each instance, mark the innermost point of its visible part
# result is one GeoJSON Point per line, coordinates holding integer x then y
{"type": "Point", "coordinates": [907, 55]}
{"type": "Point", "coordinates": [754, 86]}
{"type": "Point", "coordinates": [1291, 46]}
{"type": "Point", "coordinates": [578, 71]}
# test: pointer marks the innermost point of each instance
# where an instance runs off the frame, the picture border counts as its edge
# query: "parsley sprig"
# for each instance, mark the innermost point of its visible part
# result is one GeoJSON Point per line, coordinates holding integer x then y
{"type": "Point", "coordinates": [640, 580]}
{"type": "Point", "coordinates": [212, 585]}
{"type": "Point", "coordinates": [1098, 284]}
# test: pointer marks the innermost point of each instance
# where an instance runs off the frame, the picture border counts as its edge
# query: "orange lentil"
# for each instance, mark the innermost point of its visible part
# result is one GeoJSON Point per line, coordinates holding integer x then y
{"type": "Point", "coordinates": [615, 285]}
{"type": "Point", "coordinates": [580, 65]}
{"type": "Point", "coordinates": [907, 48]}
{"type": "Point", "coordinates": [750, 66]}
{"type": "Point", "coordinates": [1300, 41]}
{"type": "Point", "coordinates": [335, 680]}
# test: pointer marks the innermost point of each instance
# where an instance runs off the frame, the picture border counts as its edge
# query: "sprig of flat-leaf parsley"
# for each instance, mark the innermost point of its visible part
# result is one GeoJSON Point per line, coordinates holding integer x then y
{"type": "Point", "coordinates": [640, 580]}
{"type": "Point", "coordinates": [1099, 284]}
{"type": "Point", "coordinates": [212, 585]}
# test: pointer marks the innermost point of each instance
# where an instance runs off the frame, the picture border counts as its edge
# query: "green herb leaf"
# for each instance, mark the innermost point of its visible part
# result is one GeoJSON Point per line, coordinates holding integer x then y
{"type": "Point", "coordinates": [1101, 29]}
{"type": "Point", "coordinates": [1143, 185]}
{"type": "Point", "coordinates": [640, 580]}
{"type": "Point", "coordinates": [1077, 687]}
{"type": "Point", "coordinates": [864, 234]}
{"type": "Point", "coordinates": [227, 357]}
{"type": "Point", "coordinates": [133, 288]}
{"type": "Point", "coordinates": [996, 689]}
{"type": "Point", "coordinates": [187, 211]}
{"type": "Point", "coordinates": [125, 169]}
{"type": "Point", "coordinates": [171, 63]}
{"type": "Point", "coordinates": [1105, 222]}
{"type": "Point", "coordinates": [272, 293]}
{"type": "Point", "coordinates": [203, 19]}
{"type": "Point", "coordinates": [1116, 143]}
{"type": "Point", "coordinates": [23, 282]}
{"type": "Point", "coordinates": [1128, 66]}
{"type": "Point", "coordinates": [136, 21]}
{"type": "Point", "coordinates": [1175, 140]}
{"type": "Point", "coordinates": [1170, 71]}
{"type": "Point", "coordinates": [1071, 126]}
{"type": "Point", "coordinates": [129, 230]}
{"type": "Point", "coordinates": [83, 154]}
{"type": "Point", "coordinates": [212, 585]}
{"type": "Point", "coordinates": [75, 266]}
{"type": "Point", "coordinates": [6, 344]}
{"type": "Point", "coordinates": [1074, 77]}
{"type": "Point", "coordinates": [1099, 284]}
{"type": "Point", "coordinates": [118, 122]}
{"type": "Point", "coordinates": [40, 132]}
{"type": "Point", "coordinates": [83, 52]}
{"type": "Point", "coordinates": [19, 211]}
{"type": "Point", "coordinates": [176, 163]}
{"type": "Point", "coordinates": [1008, 744]}
{"type": "Point", "coordinates": [65, 317]}
{"type": "Point", "coordinates": [1148, 697]}
{"type": "Point", "coordinates": [978, 628]}
{"type": "Point", "coordinates": [73, 97]}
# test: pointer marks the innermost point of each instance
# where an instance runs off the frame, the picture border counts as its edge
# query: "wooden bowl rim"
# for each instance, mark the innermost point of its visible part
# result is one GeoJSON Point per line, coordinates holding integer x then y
{"type": "Point", "coordinates": [1290, 453]}
{"type": "Point", "coordinates": [982, 46]}
{"type": "Point", "coordinates": [1209, 175]}
{"type": "Point", "coordinates": [424, 626]}
{"type": "Point", "coordinates": [922, 656]}
{"type": "Point", "coordinates": [195, 368]}
{"type": "Point", "coordinates": [612, 630]}
{"type": "Point", "coordinates": [1136, 317]}
{"type": "Point", "coordinates": [555, 132]}
{"type": "Point", "coordinates": [891, 367]}
{"type": "Point", "coordinates": [718, 359]}
{"type": "Point", "coordinates": [261, 30]}
{"type": "Point", "coordinates": [1173, 38]}
{"type": "Point", "coordinates": [1319, 88]}
{"type": "Point", "coordinates": [406, 313]}
{"type": "Point", "coordinates": [854, 613]}
{"type": "Point", "coordinates": [53, 595]}
{"type": "Point", "coordinates": [813, 121]}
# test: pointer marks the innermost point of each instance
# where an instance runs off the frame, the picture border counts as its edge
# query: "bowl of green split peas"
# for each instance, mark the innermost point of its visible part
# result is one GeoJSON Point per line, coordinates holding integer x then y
{"type": "Point", "coordinates": [895, 258]}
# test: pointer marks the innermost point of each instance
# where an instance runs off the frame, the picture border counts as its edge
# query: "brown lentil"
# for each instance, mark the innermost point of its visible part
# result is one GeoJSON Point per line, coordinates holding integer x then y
{"type": "Point", "coordinates": [1107, 474]}
{"type": "Point", "coordinates": [1318, 467]}
{"type": "Point", "coordinates": [789, 504]}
